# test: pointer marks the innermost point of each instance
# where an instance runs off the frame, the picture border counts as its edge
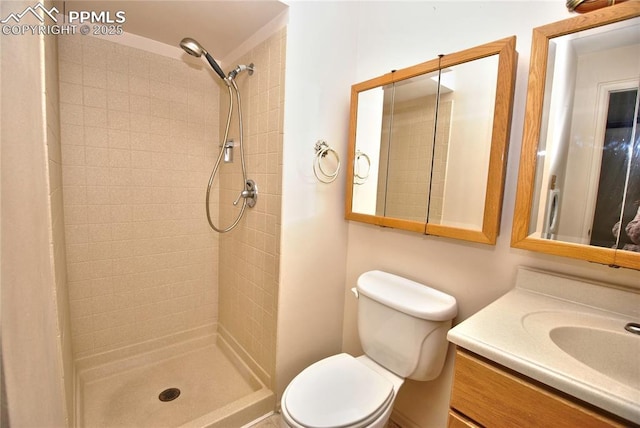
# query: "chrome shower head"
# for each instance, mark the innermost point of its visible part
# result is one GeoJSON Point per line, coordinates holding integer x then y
{"type": "Point", "coordinates": [192, 47]}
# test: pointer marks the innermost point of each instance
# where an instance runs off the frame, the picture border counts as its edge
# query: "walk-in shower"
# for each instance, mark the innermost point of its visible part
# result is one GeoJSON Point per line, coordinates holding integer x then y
{"type": "Point", "coordinates": [145, 317]}
{"type": "Point", "coordinates": [167, 328]}
{"type": "Point", "coordinates": [249, 193]}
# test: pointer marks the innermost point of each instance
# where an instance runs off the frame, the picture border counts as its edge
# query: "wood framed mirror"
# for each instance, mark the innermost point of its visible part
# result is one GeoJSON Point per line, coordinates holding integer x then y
{"type": "Point", "coordinates": [428, 143]}
{"type": "Point", "coordinates": [579, 180]}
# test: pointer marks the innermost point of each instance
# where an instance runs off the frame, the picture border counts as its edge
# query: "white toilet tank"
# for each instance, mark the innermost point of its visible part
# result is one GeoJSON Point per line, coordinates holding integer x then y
{"type": "Point", "coordinates": [403, 325]}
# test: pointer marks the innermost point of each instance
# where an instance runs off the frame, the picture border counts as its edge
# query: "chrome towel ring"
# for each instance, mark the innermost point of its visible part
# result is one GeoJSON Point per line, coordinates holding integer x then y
{"type": "Point", "coordinates": [322, 150]}
{"type": "Point", "coordinates": [360, 177]}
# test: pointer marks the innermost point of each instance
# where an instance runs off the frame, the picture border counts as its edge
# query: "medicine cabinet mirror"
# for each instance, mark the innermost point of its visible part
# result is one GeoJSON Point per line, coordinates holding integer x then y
{"type": "Point", "coordinates": [579, 179]}
{"type": "Point", "coordinates": [427, 144]}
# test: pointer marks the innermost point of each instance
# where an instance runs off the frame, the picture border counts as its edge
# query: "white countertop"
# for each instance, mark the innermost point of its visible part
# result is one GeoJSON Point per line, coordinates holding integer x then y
{"type": "Point", "coordinates": [514, 332]}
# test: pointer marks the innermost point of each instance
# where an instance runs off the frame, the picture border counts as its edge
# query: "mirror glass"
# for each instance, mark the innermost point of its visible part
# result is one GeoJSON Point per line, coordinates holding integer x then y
{"type": "Point", "coordinates": [423, 140]}
{"type": "Point", "coordinates": [581, 131]}
{"type": "Point", "coordinates": [463, 143]}
{"type": "Point", "coordinates": [590, 114]}
{"type": "Point", "coordinates": [394, 148]}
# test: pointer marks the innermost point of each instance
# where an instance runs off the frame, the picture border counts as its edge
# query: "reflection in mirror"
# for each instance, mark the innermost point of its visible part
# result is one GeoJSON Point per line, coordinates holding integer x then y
{"type": "Point", "coordinates": [464, 135]}
{"type": "Point", "coordinates": [406, 148]}
{"type": "Point", "coordinates": [432, 138]}
{"type": "Point", "coordinates": [429, 167]}
{"type": "Point", "coordinates": [579, 180]}
{"type": "Point", "coordinates": [368, 132]}
{"type": "Point", "coordinates": [619, 189]}
{"type": "Point", "coordinates": [586, 143]}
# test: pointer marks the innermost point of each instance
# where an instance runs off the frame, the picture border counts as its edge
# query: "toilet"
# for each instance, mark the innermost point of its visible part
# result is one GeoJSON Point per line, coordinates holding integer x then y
{"type": "Point", "coordinates": [403, 329]}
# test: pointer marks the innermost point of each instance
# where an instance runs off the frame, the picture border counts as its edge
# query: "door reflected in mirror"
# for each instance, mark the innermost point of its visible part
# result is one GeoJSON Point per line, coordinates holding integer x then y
{"type": "Point", "coordinates": [618, 193]}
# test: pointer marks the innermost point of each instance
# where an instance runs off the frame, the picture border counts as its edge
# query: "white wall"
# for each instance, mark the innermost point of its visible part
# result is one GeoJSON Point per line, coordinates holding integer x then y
{"type": "Point", "coordinates": [320, 69]}
{"type": "Point", "coordinates": [332, 45]}
{"type": "Point", "coordinates": [33, 340]}
{"type": "Point", "coordinates": [56, 208]}
{"type": "Point", "coordinates": [395, 35]}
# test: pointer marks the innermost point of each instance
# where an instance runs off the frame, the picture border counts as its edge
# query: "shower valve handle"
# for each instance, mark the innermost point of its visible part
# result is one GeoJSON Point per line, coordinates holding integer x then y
{"type": "Point", "coordinates": [244, 194]}
{"type": "Point", "coordinates": [250, 193]}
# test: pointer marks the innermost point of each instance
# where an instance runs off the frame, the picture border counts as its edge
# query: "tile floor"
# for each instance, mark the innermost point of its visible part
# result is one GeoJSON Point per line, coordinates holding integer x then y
{"type": "Point", "coordinates": [273, 421]}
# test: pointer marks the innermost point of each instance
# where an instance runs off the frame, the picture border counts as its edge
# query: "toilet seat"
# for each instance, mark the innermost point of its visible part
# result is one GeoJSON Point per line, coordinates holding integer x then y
{"type": "Point", "coordinates": [338, 391]}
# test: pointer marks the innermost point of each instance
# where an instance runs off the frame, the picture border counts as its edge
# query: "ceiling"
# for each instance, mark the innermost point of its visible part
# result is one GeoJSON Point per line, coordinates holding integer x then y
{"type": "Point", "coordinates": [220, 26]}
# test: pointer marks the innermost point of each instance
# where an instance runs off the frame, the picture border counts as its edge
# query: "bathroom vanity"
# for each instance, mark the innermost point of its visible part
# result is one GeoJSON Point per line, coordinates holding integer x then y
{"type": "Point", "coordinates": [487, 394]}
{"type": "Point", "coordinates": [552, 352]}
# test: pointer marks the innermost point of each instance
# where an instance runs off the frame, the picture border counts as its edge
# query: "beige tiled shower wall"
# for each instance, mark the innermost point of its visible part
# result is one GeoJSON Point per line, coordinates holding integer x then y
{"type": "Point", "coordinates": [137, 142]}
{"type": "Point", "coordinates": [440, 156]}
{"type": "Point", "coordinates": [249, 255]}
{"type": "Point", "coordinates": [409, 166]}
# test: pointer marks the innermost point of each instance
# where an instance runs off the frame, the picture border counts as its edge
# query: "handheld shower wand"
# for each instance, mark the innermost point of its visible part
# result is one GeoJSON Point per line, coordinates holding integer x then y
{"type": "Point", "coordinates": [192, 47]}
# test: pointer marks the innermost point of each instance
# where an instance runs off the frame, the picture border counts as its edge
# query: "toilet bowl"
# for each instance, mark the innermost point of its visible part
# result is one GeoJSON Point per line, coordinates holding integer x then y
{"type": "Point", "coordinates": [402, 327]}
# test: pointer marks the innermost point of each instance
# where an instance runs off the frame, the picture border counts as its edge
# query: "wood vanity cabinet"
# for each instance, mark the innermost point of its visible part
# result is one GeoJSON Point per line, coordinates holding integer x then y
{"type": "Point", "coordinates": [485, 394]}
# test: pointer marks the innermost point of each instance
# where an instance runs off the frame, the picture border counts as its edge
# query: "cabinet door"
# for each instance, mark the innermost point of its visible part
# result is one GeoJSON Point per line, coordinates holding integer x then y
{"type": "Point", "coordinates": [458, 421]}
{"type": "Point", "coordinates": [493, 397]}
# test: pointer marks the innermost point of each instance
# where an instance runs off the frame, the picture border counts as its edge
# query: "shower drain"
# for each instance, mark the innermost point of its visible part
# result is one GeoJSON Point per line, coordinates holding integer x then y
{"type": "Point", "coordinates": [169, 394]}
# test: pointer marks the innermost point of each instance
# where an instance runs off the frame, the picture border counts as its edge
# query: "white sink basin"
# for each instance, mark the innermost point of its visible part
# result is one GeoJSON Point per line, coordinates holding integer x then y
{"type": "Point", "coordinates": [615, 354]}
{"type": "Point", "coordinates": [599, 342]}
{"type": "Point", "coordinates": [566, 333]}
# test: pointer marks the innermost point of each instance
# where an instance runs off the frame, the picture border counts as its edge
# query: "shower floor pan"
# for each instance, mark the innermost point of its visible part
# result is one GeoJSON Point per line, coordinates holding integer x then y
{"type": "Point", "coordinates": [215, 389]}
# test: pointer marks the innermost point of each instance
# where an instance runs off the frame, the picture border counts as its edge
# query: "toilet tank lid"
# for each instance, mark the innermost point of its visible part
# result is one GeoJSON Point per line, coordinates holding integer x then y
{"type": "Point", "coordinates": [407, 296]}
